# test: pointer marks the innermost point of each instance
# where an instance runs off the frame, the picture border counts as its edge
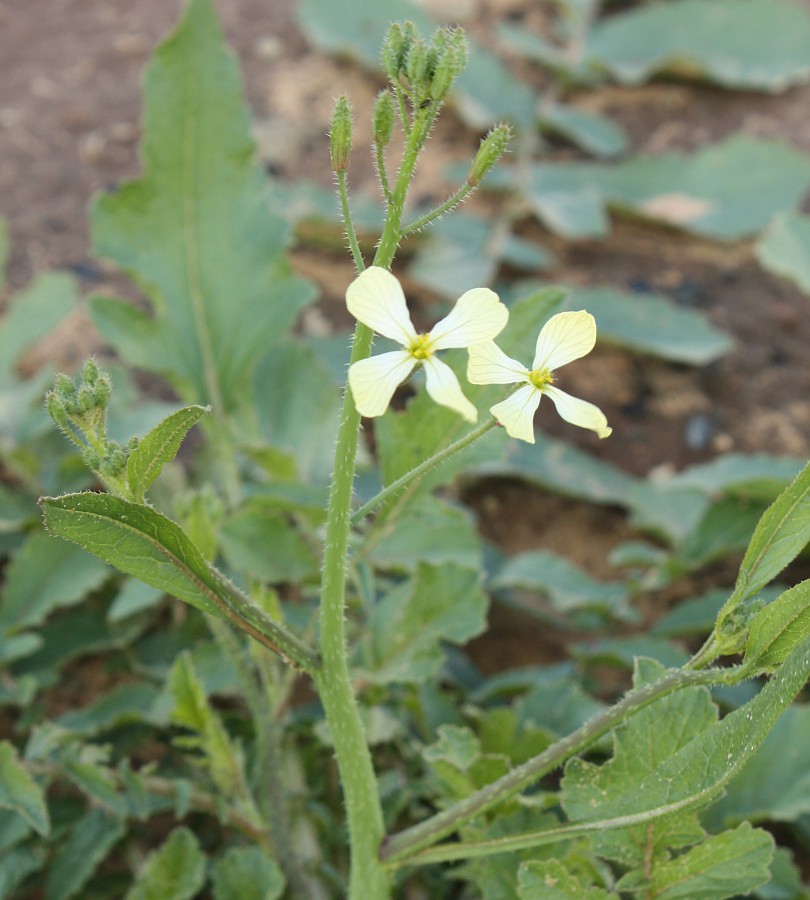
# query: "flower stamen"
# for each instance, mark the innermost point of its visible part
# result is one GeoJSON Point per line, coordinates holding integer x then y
{"type": "Point", "coordinates": [421, 347]}
{"type": "Point", "coordinates": [541, 378]}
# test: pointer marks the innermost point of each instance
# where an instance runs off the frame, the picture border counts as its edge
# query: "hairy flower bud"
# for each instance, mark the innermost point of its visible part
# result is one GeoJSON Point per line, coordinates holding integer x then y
{"type": "Point", "coordinates": [416, 64]}
{"type": "Point", "coordinates": [383, 118]}
{"type": "Point", "coordinates": [340, 135]}
{"type": "Point", "coordinates": [450, 55]}
{"type": "Point", "coordinates": [393, 52]}
{"type": "Point", "coordinates": [492, 148]}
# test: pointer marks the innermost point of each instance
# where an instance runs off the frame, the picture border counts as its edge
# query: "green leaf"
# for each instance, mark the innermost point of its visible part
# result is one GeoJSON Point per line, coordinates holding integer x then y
{"type": "Point", "coordinates": [20, 793]}
{"type": "Point", "coordinates": [779, 628]}
{"type": "Point", "coordinates": [16, 866]}
{"type": "Point", "coordinates": [568, 587]}
{"type": "Point", "coordinates": [159, 447]}
{"type": "Point", "coordinates": [591, 132]}
{"type": "Point", "coordinates": [124, 704]}
{"type": "Point", "coordinates": [458, 763]}
{"type": "Point", "coordinates": [429, 531]}
{"type": "Point", "coordinates": [697, 772]}
{"type": "Point", "coordinates": [757, 475]}
{"type": "Point", "coordinates": [650, 738]}
{"type": "Point", "coordinates": [785, 249]}
{"type": "Point", "coordinates": [782, 533]}
{"type": "Point", "coordinates": [549, 879]}
{"type": "Point", "coordinates": [725, 191]}
{"type": "Point", "coordinates": [90, 840]}
{"type": "Point", "coordinates": [195, 231]}
{"type": "Point", "coordinates": [557, 466]}
{"type": "Point", "coordinates": [774, 786]}
{"type": "Point", "coordinates": [260, 540]}
{"type": "Point", "coordinates": [45, 574]}
{"type": "Point", "coordinates": [724, 865]}
{"type": "Point", "coordinates": [354, 29]}
{"type": "Point", "coordinates": [297, 408]}
{"type": "Point", "coordinates": [408, 624]}
{"type": "Point", "coordinates": [133, 598]}
{"type": "Point", "coordinates": [4, 252]}
{"type": "Point", "coordinates": [223, 758]}
{"type": "Point", "coordinates": [138, 541]}
{"type": "Point", "coordinates": [246, 873]}
{"type": "Point", "coordinates": [487, 92]}
{"type": "Point", "coordinates": [750, 44]}
{"type": "Point", "coordinates": [174, 872]}
{"type": "Point", "coordinates": [651, 323]}
{"type": "Point", "coordinates": [32, 314]}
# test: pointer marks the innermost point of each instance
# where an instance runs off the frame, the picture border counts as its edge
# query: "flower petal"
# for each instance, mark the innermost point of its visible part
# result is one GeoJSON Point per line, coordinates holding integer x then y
{"type": "Point", "coordinates": [565, 337]}
{"type": "Point", "coordinates": [488, 364]}
{"type": "Point", "coordinates": [374, 380]}
{"type": "Point", "coordinates": [443, 387]}
{"type": "Point", "coordinates": [579, 412]}
{"type": "Point", "coordinates": [477, 316]}
{"type": "Point", "coordinates": [516, 413]}
{"type": "Point", "coordinates": [376, 299]}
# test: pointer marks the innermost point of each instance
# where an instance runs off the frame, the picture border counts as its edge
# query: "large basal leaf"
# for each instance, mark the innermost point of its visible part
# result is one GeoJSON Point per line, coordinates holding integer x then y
{"type": "Point", "coordinates": [725, 191]}
{"type": "Point", "coordinates": [409, 623]}
{"type": "Point", "coordinates": [30, 315]}
{"type": "Point", "coordinates": [195, 230]}
{"type": "Point", "coordinates": [174, 872]}
{"type": "Point", "coordinates": [785, 249]}
{"type": "Point", "coordinates": [357, 29]}
{"type": "Point", "coordinates": [749, 44]}
{"type": "Point", "coordinates": [651, 323]}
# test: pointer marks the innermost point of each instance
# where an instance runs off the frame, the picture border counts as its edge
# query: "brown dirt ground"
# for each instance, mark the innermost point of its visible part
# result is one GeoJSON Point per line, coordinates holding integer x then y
{"type": "Point", "coordinates": [69, 114]}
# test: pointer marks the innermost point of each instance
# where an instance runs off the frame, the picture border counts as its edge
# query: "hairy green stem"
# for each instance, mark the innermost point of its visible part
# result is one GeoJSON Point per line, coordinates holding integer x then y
{"type": "Point", "coordinates": [368, 878]}
{"type": "Point", "coordinates": [398, 849]}
{"type": "Point", "coordinates": [422, 469]}
{"type": "Point", "coordinates": [460, 195]}
{"type": "Point", "coordinates": [351, 234]}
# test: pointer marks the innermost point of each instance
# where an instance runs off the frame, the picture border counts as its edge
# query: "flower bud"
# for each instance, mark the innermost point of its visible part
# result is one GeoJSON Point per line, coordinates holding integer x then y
{"type": "Point", "coordinates": [340, 135]}
{"type": "Point", "coordinates": [492, 148]}
{"type": "Point", "coordinates": [416, 64]}
{"type": "Point", "coordinates": [393, 52]}
{"type": "Point", "coordinates": [383, 118]}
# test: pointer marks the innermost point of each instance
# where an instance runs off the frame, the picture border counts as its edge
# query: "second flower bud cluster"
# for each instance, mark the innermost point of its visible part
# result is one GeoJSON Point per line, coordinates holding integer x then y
{"type": "Point", "coordinates": [376, 299]}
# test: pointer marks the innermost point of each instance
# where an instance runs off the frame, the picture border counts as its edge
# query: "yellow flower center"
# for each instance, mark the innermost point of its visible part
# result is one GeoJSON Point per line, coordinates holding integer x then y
{"type": "Point", "coordinates": [421, 347]}
{"type": "Point", "coordinates": [541, 378]}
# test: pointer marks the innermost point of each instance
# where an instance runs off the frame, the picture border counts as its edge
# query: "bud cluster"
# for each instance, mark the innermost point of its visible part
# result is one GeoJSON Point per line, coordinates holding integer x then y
{"type": "Point", "coordinates": [425, 70]}
{"type": "Point", "coordinates": [80, 410]}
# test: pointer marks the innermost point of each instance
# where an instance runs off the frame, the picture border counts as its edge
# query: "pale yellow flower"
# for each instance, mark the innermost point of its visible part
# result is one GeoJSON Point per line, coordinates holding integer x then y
{"type": "Point", "coordinates": [376, 299]}
{"type": "Point", "coordinates": [565, 337]}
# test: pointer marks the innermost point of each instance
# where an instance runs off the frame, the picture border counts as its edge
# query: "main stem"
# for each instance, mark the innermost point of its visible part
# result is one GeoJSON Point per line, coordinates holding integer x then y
{"type": "Point", "coordinates": [368, 878]}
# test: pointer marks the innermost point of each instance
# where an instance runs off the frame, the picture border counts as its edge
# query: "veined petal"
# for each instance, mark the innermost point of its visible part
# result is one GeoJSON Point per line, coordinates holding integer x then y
{"type": "Point", "coordinates": [580, 412]}
{"type": "Point", "coordinates": [488, 364]}
{"type": "Point", "coordinates": [565, 337]}
{"type": "Point", "coordinates": [374, 380]}
{"type": "Point", "coordinates": [477, 316]}
{"type": "Point", "coordinates": [376, 299]}
{"type": "Point", "coordinates": [443, 387]}
{"type": "Point", "coordinates": [516, 413]}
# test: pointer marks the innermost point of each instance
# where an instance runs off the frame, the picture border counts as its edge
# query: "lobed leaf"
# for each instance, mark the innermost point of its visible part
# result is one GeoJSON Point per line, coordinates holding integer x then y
{"type": "Point", "coordinates": [549, 879]}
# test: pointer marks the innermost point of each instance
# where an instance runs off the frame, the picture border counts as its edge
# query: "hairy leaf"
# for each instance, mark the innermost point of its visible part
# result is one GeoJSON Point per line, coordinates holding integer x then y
{"type": "Point", "coordinates": [159, 447]}
{"type": "Point", "coordinates": [549, 879]}
{"type": "Point", "coordinates": [246, 873]}
{"type": "Point", "coordinates": [779, 628]}
{"type": "Point", "coordinates": [195, 230]}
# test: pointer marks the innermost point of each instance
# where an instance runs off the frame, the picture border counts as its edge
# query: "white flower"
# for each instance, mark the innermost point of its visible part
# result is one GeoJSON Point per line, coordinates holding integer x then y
{"type": "Point", "coordinates": [565, 337]}
{"type": "Point", "coordinates": [375, 298]}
